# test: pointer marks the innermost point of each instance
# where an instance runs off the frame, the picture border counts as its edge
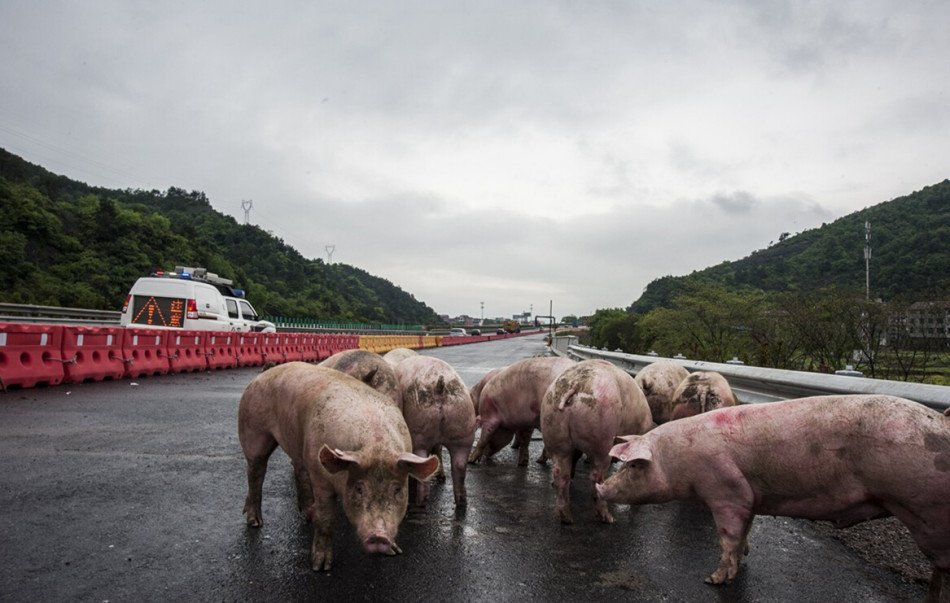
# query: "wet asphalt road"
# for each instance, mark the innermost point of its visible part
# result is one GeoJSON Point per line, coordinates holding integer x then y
{"type": "Point", "coordinates": [123, 492]}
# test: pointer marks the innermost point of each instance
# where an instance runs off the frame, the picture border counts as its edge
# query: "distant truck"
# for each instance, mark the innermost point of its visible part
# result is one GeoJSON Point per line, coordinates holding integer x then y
{"type": "Point", "coordinates": [511, 326]}
{"type": "Point", "coordinates": [190, 298]}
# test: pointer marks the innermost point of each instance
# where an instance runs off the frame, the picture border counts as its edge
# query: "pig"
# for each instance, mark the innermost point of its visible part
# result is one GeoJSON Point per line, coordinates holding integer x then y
{"type": "Point", "coordinates": [397, 355]}
{"type": "Point", "coordinates": [843, 458]}
{"type": "Point", "coordinates": [589, 405]}
{"type": "Point", "coordinates": [659, 381]}
{"type": "Point", "coordinates": [438, 411]}
{"type": "Point", "coordinates": [701, 392]}
{"type": "Point", "coordinates": [510, 403]}
{"type": "Point", "coordinates": [477, 390]}
{"type": "Point", "coordinates": [368, 367]}
{"type": "Point", "coordinates": [344, 440]}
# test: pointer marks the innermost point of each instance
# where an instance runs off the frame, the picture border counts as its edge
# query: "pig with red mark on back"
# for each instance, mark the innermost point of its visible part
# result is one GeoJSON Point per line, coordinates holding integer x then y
{"type": "Point", "coordinates": [846, 459]}
{"type": "Point", "coordinates": [659, 381]}
{"type": "Point", "coordinates": [438, 412]}
{"type": "Point", "coordinates": [701, 392]}
{"type": "Point", "coordinates": [368, 367]}
{"type": "Point", "coordinates": [510, 403]}
{"type": "Point", "coordinates": [589, 405]}
{"type": "Point", "coordinates": [345, 440]}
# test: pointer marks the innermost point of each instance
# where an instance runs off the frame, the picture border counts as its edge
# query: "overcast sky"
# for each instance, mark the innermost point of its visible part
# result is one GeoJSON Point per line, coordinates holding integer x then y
{"type": "Point", "coordinates": [510, 153]}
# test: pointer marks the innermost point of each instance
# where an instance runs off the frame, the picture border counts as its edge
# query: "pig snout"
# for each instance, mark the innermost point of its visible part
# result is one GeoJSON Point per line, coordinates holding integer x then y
{"type": "Point", "coordinates": [378, 543]}
{"type": "Point", "coordinates": [606, 490]}
{"type": "Point", "coordinates": [380, 538]}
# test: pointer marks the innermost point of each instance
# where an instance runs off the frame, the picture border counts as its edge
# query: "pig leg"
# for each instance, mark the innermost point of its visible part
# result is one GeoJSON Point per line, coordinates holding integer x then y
{"type": "Point", "coordinates": [304, 489]}
{"type": "Point", "coordinates": [598, 472]}
{"type": "Point", "coordinates": [561, 474]}
{"type": "Point", "coordinates": [543, 459]}
{"type": "Point", "coordinates": [321, 518]}
{"type": "Point", "coordinates": [437, 451]}
{"type": "Point", "coordinates": [257, 449]}
{"type": "Point", "coordinates": [939, 591]}
{"type": "Point", "coordinates": [422, 487]}
{"type": "Point", "coordinates": [458, 456]}
{"type": "Point", "coordinates": [488, 428]}
{"type": "Point", "coordinates": [733, 523]}
{"type": "Point", "coordinates": [525, 437]}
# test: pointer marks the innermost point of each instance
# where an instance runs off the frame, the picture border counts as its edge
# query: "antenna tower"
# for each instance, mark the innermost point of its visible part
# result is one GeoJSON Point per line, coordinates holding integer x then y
{"type": "Point", "coordinates": [246, 206]}
{"type": "Point", "coordinates": [330, 249]}
{"type": "Point", "coordinates": [867, 259]}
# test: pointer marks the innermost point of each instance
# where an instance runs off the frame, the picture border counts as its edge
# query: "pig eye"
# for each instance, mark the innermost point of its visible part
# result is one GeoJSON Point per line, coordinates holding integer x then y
{"type": "Point", "coordinates": [359, 489]}
{"type": "Point", "coordinates": [397, 490]}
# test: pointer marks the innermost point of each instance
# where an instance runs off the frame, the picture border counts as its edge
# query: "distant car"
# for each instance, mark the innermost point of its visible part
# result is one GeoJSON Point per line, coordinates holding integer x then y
{"type": "Point", "coordinates": [499, 331]}
{"type": "Point", "coordinates": [475, 332]}
{"type": "Point", "coordinates": [457, 333]}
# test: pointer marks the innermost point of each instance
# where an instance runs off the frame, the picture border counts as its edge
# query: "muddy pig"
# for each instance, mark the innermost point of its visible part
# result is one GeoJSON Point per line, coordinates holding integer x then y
{"type": "Point", "coordinates": [368, 367]}
{"type": "Point", "coordinates": [438, 412]}
{"type": "Point", "coordinates": [659, 381]}
{"type": "Point", "coordinates": [589, 405]}
{"type": "Point", "coordinates": [394, 357]}
{"type": "Point", "coordinates": [846, 459]}
{"type": "Point", "coordinates": [701, 392]}
{"type": "Point", "coordinates": [344, 440]}
{"type": "Point", "coordinates": [511, 403]}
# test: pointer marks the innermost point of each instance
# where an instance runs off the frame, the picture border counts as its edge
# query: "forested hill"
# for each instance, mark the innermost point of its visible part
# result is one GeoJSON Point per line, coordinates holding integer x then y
{"type": "Point", "coordinates": [910, 239]}
{"type": "Point", "coordinates": [64, 243]}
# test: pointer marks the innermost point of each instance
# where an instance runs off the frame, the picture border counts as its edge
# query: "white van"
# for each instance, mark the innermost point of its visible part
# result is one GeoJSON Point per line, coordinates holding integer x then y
{"type": "Point", "coordinates": [162, 302]}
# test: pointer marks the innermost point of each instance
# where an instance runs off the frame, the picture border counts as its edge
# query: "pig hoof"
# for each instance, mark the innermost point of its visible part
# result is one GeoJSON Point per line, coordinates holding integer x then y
{"type": "Point", "coordinates": [566, 518]}
{"type": "Point", "coordinates": [606, 517]}
{"type": "Point", "coordinates": [395, 550]}
{"type": "Point", "coordinates": [720, 576]}
{"type": "Point", "coordinates": [322, 561]}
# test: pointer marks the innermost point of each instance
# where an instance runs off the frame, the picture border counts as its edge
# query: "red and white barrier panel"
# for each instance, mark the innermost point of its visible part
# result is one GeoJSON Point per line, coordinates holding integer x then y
{"type": "Point", "coordinates": [93, 354]}
{"type": "Point", "coordinates": [145, 352]}
{"type": "Point", "coordinates": [187, 351]}
{"type": "Point", "coordinates": [221, 350]}
{"type": "Point", "coordinates": [30, 355]}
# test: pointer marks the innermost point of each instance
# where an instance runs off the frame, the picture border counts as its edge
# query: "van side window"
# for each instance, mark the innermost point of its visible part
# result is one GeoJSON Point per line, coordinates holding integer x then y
{"type": "Point", "coordinates": [232, 308]}
{"type": "Point", "coordinates": [246, 310]}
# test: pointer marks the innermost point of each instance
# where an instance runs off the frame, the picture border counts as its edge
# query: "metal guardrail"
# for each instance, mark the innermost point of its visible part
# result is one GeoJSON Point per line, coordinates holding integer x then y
{"type": "Point", "coordinates": [757, 384]}
{"type": "Point", "coordinates": [55, 315]}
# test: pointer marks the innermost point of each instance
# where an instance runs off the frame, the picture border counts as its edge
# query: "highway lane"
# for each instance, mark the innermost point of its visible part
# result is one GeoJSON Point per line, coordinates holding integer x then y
{"type": "Point", "coordinates": [133, 491]}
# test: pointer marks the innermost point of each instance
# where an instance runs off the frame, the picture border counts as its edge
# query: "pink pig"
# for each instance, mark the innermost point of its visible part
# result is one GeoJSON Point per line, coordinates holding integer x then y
{"type": "Point", "coordinates": [368, 367]}
{"type": "Point", "coordinates": [846, 458]}
{"type": "Point", "coordinates": [659, 381]}
{"type": "Point", "coordinates": [589, 405]}
{"type": "Point", "coordinates": [510, 403]}
{"type": "Point", "coordinates": [344, 439]}
{"type": "Point", "coordinates": [438, 412]}
{"type": "Point", "coordinates": [701, 392]}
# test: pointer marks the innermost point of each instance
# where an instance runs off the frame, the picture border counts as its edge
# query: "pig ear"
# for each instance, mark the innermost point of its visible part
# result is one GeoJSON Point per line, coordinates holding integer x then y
{"type": "Point", "coordinates": [368, 377]}
{"type": "Point", "coordinates": [633, 450]}
{"type": "Point", "coordinates": [336, 460]}
{"type": "Point", "coordinates": [623, 439]}
{"type": "Point", "coordinates": [418, 467]}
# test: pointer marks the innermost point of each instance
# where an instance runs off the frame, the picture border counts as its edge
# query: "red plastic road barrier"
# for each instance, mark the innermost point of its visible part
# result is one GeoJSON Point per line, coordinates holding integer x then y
{"type": "Point", "coordinates": [30, 355]}
{"type": "Point", "coordinates": [323, 346]}
{"type": "Point", "coordinates": [221, 349]}
{"type": "Point", "coordinates": [270, 349]}
{"type": "Point", "coordinates": [93, 353]}
{"type": "Point", "coordinates": [249, 349]}
{"type": "Point", "coordinates": [145, 352]}
{"type": "Point", "coordinates": [290, 342]}
{"type": "Point", "coordinates": [308, 347]}
{"type": "Point", "coordinates": [186, 351]}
